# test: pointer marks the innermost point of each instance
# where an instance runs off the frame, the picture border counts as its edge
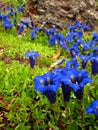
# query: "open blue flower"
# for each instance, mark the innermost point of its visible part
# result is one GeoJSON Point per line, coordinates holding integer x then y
{"type": "Point", "coordinates": [74, 50]}
{"type": "Point", "coordinates": [77, 25]}
{"type": "Point", "coordinates": [47, 85]}
{"type": "Point", "coordinates": [75, 80]}
{"type": "Point", "coordinates": [93, 108]}
{"type": "Point", "coordinates": [32, 56]}
{"type": "Point", "coordinates": [53, 40]}
{"type": "Point", "coordinates": [52, 31]}
{"type": "Point", "coordinates": [33, 33]}
{"type": "Point", "coordinates": [85, 59]}
{"type": "Point", "coordinates": [36, 29]}
{"type": "Point", "coordinates": [61, 40]}
{"type": "Point", "coordinates": [72, 64]}
{"type": "Point", "coordinates": [73, 36]}
{"type": "Point", "coordinates": [58, 38]}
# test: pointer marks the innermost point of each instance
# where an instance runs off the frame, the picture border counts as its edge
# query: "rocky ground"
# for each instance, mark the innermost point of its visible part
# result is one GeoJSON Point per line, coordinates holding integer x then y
{"type": "Point", "coordinates": [64, 12]}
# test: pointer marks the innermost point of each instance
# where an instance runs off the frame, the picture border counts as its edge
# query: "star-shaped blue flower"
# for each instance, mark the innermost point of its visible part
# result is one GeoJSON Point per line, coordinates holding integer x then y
{"type": "Point", "coordinates": [32, 56]}
{"type": "Point", "coordinates": [47, 85]}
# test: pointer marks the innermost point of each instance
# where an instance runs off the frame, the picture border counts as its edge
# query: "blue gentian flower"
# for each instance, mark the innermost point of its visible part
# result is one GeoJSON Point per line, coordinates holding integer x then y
{"type": "Point", "coordinates": [87, 46]}
{"type": "Point", "coordinates": [95, 37]}
{"type": "Point", "coordinates": [70, 37]}
{"type": "Point", "coordinates": [5, 18]}
{"type": "Point", "coordinates": [32, 56]}
{"type": "Point", "coordinates": [85, 27]}
{"type": "Point", "coordinates": [73, 36]}
{"type": "Point", "coordinates": [75, 80]}
{"type": "Point", "coordinates": [35, 54]}
{"type": "Point", "coordinates": [26, 22]}
{"type": "Point", "coordinates": [95, 50]}
{"type": "Point", "coordinates": [74, 50]}
{"type": "Point", "coordinates": [52, 31]}
{"type": "Point", "coordinates": [1, 17]}
{"type": "Point", "coordinates": [33, 35]}
{"type": "Point", "coordinates": [47, 85]}
{"type": "Point", "coordinates": [36, 29]}
{"type": "Point", "coordinates": [78, 34]}
{"type": "Point", "coordinates": [66, 90]}
{"type": "Point", "coordinates": [61, 40]}
{"type": "Point", "coordinates": [80, 41]}
{"type": "Point", "coordinates": [77, 25]}
{"type": "Point", "coordinates": [85, 59]}
{"type": "Point", "coordinates": [93, 57]}
{"type": "Point", "coordinates": [53, 40]}
{"type": "Point", "coordinates": [21, 28]}
{"type": "Point", "coordinates": [94, 62]}
{"type": "Point", "coordinates": [20, 9]}
{"type": "Point", "coordinates": [61, 71]}
{"type": "Point", "coordinates": [72, 64]}
{"type": "Point", "coordinates": [58, 38]}
{"type": "Point", "coordinates": [11, 9]}
{"type": "Point", "coordinates": [93, 108]}
{"type": "Point", "coordinates": [7, 24]}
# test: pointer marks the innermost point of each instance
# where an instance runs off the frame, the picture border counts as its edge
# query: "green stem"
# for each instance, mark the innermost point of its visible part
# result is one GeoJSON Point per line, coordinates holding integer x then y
{"type": "Point", "coordinates": [82, 113]}
{"type": "Point", "coordinates": [68, 112]}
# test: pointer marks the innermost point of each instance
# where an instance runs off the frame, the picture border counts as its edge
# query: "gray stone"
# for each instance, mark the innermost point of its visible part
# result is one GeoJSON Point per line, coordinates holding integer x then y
{"type": "Point", "coordinates": [65, 12]}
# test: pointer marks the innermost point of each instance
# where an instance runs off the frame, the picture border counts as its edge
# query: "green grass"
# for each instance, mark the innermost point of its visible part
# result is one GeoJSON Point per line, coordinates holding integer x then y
{"type": "Point", "coordinates": [19, 100]}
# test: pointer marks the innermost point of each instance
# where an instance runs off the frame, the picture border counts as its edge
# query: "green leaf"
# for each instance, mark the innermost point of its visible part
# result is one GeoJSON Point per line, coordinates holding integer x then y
{"type": "Point", "coordinates": [72, 126]}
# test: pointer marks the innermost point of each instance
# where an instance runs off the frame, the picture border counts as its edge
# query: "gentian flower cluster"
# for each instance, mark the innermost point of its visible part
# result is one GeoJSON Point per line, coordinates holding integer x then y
{"type": "Point", "coordinates": [7, 23]}
{"type": "Point", "coordinates": [9, 19]}
{"type": "Point", "coordinates": [78, 25]}
{"type": "Point", "coordinates": [68, 78]}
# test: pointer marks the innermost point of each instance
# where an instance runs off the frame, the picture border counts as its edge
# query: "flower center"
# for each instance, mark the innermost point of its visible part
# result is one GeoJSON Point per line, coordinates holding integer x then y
{"type": "Point", "coordinates": [96, 108]}
{"type": "Point", "coordinates": [76, 80]}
